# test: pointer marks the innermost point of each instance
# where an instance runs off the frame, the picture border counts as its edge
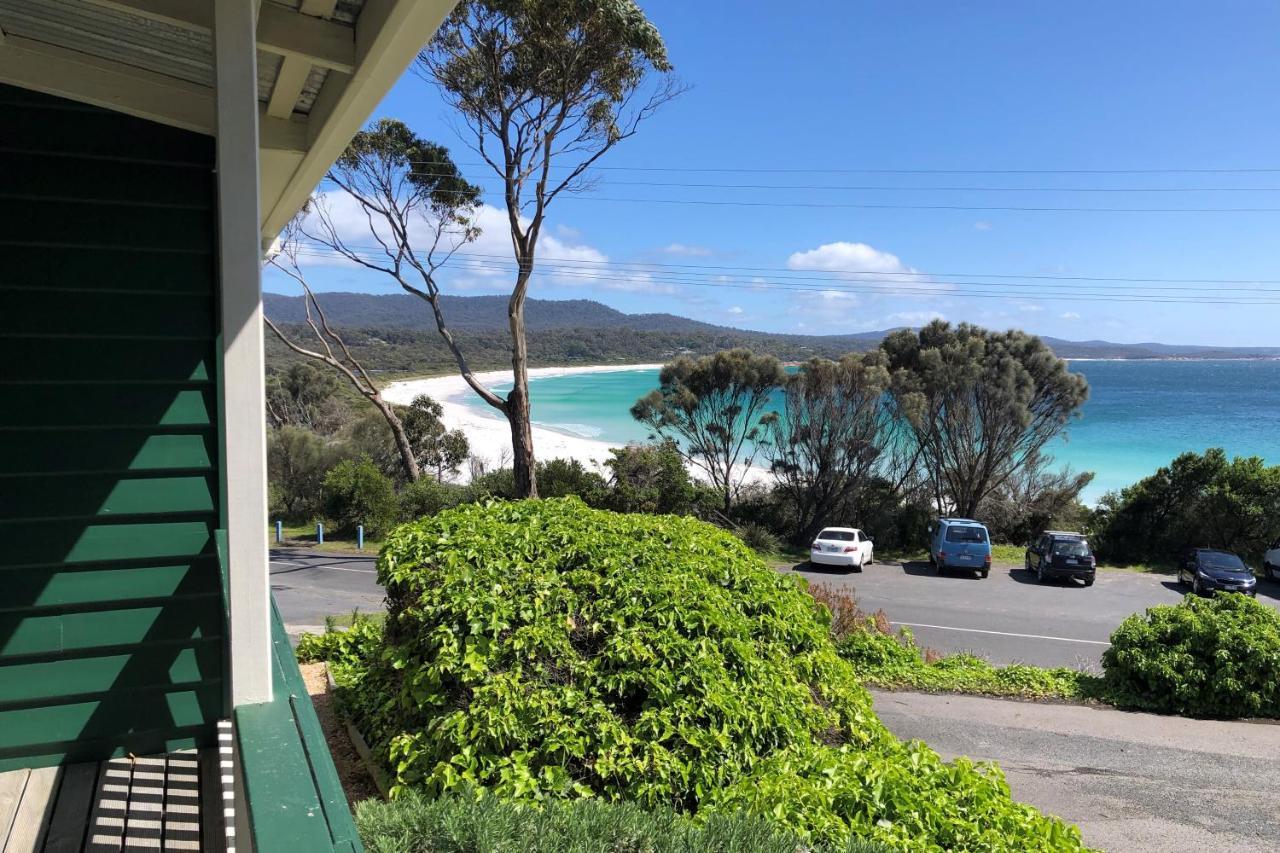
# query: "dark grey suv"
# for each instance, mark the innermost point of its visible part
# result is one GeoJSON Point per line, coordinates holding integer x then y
{"type": "Point", "coordinates": [1058, 554]}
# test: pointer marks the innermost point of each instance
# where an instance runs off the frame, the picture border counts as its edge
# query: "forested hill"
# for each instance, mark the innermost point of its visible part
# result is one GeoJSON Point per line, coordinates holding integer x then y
{"type": "Point", "coordinates": [583, 330]}
{"type": "Point", "coordinates": [402, 311]}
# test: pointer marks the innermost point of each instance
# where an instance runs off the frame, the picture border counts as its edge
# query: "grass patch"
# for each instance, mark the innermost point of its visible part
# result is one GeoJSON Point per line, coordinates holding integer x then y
{"type": "Point", "coordinates": [1003, 553]}
{"type": "Point", "coordinates": [882, 657]}
{"type": "Point", "coordinates": [464, 823]}
{"type": "Point", "coordinates": [304, 536]}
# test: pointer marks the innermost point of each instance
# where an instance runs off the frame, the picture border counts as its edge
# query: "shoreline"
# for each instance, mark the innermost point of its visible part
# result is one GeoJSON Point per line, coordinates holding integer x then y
{"type": "Point", "coordinates": [487, 431]}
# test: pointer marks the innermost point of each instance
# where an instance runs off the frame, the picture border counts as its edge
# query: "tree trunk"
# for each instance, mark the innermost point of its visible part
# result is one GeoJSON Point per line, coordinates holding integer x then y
{"type": "Point", "coordinates": [518, 409]}
{"type": "Point", "coordinates": [407, 457]}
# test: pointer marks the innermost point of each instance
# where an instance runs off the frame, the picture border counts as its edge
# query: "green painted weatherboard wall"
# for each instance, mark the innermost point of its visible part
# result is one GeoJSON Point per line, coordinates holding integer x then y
{"type": "Point", "coordinates": [111, 612]}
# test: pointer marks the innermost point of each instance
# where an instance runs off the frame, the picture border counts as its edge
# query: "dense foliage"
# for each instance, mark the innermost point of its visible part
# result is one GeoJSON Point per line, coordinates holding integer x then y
{"type": "Point", "coordinates": [714, 410]}
{"type": "Point", "coordinates": [1205, 657]}
{"type": "Point", "coordinates": [980, 406]}
{"type": "Point", "coordinates": [545, 650]}
{"type": "Point", "coordinates": [465, 823]}
{"type": "Point", "coordinates": [1198, 500]}
{"type": "Point", "coordinates": [357, 493]}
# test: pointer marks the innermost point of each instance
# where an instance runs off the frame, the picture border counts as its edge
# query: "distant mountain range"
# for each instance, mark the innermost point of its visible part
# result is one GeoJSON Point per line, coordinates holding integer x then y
{"type": "Point", "coordinates": [489, 313]}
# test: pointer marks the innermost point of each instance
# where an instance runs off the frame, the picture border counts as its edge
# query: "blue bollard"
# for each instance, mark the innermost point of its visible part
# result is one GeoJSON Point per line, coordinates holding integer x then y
{"type": "Point", "coordinates": [319, 533]}
{"type": "Point", "coordinates": [360, 537]}
{"type": "Point", "coordinates": [279, 532]}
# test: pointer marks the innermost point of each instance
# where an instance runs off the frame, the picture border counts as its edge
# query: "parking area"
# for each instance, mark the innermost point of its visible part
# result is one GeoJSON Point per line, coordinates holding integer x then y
{"type": "Point", "coordinates": [1009, 617]}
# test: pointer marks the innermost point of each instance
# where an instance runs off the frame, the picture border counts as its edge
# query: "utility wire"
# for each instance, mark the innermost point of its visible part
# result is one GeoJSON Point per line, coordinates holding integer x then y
{"type": "Point", "coordinates": [863, 275]}
{"type": "Point", "coordinates": [883, 187]}
{"type": "Point", "coordinates": [935, 289]}
{"type": "Point", "coordinates": [815, 171]}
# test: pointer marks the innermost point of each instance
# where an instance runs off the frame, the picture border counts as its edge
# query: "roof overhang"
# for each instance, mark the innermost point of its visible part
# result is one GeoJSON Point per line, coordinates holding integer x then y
{"type": "Point", "coordinates": [322, 68]}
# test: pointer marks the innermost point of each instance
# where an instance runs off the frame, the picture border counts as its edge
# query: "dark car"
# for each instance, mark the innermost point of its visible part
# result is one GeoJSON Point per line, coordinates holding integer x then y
{"type": "Point", "coordinates": [1207, 570]}
{"type": "Point", "coordinates": [1058, 554]}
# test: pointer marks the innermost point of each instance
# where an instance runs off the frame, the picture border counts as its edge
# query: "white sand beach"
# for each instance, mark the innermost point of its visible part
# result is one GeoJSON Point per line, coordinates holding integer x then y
{"type": "Point", "coordinates": [487, 430]}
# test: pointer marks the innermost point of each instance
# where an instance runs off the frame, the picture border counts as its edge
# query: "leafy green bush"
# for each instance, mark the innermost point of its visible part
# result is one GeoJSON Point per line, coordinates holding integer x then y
{"type": "Point", "coordinates": [650, 478]}
{"type": "Point", "coordinates": [542, 650]}
{"type": "Point", "coordinates": [463, 823]}
{"type": "Point", "coordinates": [342, 646]}
{"type": "Point", "coordinates": [1205, 657]}
{"type": "Point", "coordinates": [1197, 500]}
{"type": "Point", "coordinates": [885, 658]}
{"type": "Point", "coordinates": [560, 478]}
{"type": "Point", "coordinates": [355, 493]}
{"type": "Point", "coordinates": [427, 496]}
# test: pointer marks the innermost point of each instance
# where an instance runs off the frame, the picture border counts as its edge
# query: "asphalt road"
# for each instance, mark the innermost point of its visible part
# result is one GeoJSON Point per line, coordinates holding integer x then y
{"type": "Point", "coordinates": [310, 585]}
{"type": "Point", "coordinates": [1116, 775]}
{"type": "Point", "coordinates": [1006, 617]}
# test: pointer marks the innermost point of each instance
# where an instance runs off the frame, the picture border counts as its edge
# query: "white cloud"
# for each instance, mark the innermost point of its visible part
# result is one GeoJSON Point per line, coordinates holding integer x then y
{"type": "Point", "coordinates": [735, 309]}
{"type": "Point", "coordinates": [1069, 315]}
{"type": "Point", "coordinates": [982, 226]}
{"type": "Point", "coordinates": [486, 263]}
{"type": "Point", "coordinates": [850, 260]}
{"type": "Point", "coordinates": [1030, 307]}
{"type": "Point", "coordinates": [861, 262]}
{"type": "Point", "coordinates": [686, 250]}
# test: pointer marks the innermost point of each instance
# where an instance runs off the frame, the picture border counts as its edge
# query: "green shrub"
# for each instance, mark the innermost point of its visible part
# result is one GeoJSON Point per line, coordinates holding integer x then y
{"type": "Point", "coordinates": [355, 493]}
{"type": "Point", "coordinates": [759, 538]}
{"type": "Point", "coordinates": [560, 478]}
{"type": "Point", "coordinates": [427, 496]}
{"type": "Point", "coordinates": [650, 478]}
{"type": "Point", "coordinates": [1205, 657]}
{"type": "Point", "coordinates": [463, 823]}
{"type": "Point", "coordinates": [543, 650]}
{"type": "Point", "coordinates": [885, 658]}
{"type": "Point", "coordinates": [342, 646]}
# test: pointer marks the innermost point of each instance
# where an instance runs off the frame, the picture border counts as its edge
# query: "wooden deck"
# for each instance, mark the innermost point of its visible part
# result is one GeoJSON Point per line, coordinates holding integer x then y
{"type": "Point", "coordinates": [161, 802]}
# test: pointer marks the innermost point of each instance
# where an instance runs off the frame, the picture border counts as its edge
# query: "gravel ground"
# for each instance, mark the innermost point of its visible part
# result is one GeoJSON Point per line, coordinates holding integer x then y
{"type": "Point", "coordinates": [1131, 782]}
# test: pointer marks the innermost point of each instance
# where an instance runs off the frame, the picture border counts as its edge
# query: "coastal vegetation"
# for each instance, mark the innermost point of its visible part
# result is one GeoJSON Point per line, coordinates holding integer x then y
{"type": "Point", "coordinates": [953, 419]}
{"type": "Point", "coordinates": [543, 650]}
{"type": "Point", "coordinates": [1198, 500]}
{"type": "Point", "coordinates": [714, 411]}
{"type": "Point", "coordinates": [471, 823]}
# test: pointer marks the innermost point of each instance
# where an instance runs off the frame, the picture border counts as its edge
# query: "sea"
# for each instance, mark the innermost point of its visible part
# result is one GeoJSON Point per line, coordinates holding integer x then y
{"type": "Point", "coordinates": [1139, 416]}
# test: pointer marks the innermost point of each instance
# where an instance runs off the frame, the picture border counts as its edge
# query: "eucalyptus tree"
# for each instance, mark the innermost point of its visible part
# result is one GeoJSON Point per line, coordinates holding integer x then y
{"type": "Point", "coordinates": [412, 210]}
{"type": "Point", "coordinates": [980, 406]}
{"type": "Point", "coordinates": [715, 410]}
{"type": "Point", "coordinates": [830, 437]}
{"type": "Point", "coordinates": [545, 88]}
{"type": "Point", "coordinates": [439, 449]}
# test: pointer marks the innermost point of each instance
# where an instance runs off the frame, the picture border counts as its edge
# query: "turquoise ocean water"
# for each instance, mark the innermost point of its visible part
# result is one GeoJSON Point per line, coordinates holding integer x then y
{"type": "Point", "coordinates": [1140, 414]}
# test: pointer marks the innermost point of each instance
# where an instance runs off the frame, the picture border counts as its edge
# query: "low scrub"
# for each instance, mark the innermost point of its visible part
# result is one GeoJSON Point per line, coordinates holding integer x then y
{"type": "Point", "coordinates": [1205, 657]}
{"type": "Point", "coordinates": [884, 658]}
{"type": "Point", "coordinates": [543, 651]}
{"type": "Point", "coordinates": [464, 823]}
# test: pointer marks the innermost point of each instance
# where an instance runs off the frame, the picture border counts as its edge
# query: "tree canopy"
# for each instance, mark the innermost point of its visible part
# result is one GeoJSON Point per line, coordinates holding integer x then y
{"type": "Point", "coordinates": [978, 404]}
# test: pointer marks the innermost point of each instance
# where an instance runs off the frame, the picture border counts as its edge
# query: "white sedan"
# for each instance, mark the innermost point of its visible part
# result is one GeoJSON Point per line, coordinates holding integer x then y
{"type": "Point", "coordinates": [842, 546]}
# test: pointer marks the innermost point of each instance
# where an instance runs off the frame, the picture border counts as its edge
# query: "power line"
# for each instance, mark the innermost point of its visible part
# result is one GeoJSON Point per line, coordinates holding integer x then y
{"type": "Point", "coordinates": [884, 187]}
{"type": "Point", "coordinates": [864, 275]}
{"type": "Point", "coordinates": [828, 171]}
{"type": "Point", "coordinates": [874, 206]}
{"type": "Point", "coordinates": [935, 289]}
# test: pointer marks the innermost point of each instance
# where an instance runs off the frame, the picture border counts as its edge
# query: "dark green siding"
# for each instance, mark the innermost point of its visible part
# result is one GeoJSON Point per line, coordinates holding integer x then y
{"type": "Point", "coordinates": [111, 611]}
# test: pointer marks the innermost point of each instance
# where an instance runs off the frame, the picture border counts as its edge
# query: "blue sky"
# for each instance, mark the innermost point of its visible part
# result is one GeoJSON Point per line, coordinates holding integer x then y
{"type": "Point", "coordinates": [918, 86]}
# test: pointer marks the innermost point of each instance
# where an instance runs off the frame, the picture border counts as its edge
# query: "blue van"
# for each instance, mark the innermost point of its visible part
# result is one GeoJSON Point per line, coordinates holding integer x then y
{"type": "Point", "coordinates": [960, 543]}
